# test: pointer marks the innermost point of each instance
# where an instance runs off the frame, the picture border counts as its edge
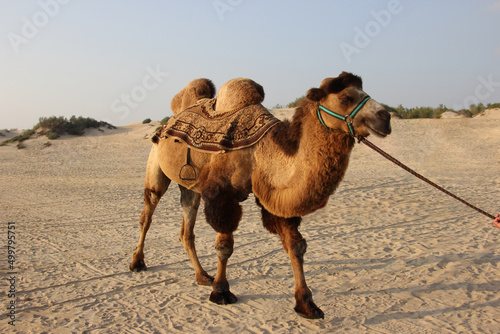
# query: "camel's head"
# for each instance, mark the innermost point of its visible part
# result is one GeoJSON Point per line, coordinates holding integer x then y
{"type": "Point", "coordinates": [343, 105]}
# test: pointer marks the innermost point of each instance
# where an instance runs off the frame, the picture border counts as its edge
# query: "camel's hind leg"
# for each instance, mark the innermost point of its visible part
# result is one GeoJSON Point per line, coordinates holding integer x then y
{"type": "Point", "coordinates": [155, 185]}
{"type": "Point", "coordinates": [190, 201]}
{"type": "Point", "coordinates": [295, 246]}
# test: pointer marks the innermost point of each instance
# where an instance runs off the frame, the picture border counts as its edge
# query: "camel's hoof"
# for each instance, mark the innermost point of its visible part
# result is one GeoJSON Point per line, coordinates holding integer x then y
{"type": "Point", "coordinates": [204, 279]}
{"type": "Point", "coordinates": [223, 298]}
{"type": "Point", "coordinates": [309, 311]}
{"type": "Point", "coordinates": [138, 266]}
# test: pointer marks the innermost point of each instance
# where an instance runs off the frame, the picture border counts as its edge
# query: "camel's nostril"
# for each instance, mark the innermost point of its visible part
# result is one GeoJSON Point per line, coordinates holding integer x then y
{"type": "Point", "coordinates": [383, 114]}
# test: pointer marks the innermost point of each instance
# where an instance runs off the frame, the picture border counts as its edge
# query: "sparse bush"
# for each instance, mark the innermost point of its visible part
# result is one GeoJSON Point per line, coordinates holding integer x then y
{"type": "Point", "coordinates": [52, 135]}
{"type": "Point", "coordinates": [146, 121]}
{"type": "Point", "coordinates": [165, 120]}
{"type": "Point", "coordinates": [74, 126]}
{"type": "Point", "coordinates": [295, 103]}
{"type": "Point", "coordinates": [53, 127]}
{"type": "Point", "coordinates": [465, 112]}
{"type": "Point", "coordinates": [22, 137]}
{"type": "Point", "coordinates": [52, 124]}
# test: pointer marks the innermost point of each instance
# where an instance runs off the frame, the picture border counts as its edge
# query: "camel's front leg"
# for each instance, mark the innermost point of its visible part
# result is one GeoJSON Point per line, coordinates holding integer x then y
{"type": "Point", "coordinates": [223, 213]}
{"type": "Point", "coordinates": [295, 246]}
{"type": "Point", "coordinates": [190, 202]}
{"type": "Point", "coordinates": [224, 248]}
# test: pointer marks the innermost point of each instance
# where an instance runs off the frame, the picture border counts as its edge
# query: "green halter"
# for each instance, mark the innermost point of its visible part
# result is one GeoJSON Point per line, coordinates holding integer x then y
{"type": "Point", "coordinates": [348, 119]}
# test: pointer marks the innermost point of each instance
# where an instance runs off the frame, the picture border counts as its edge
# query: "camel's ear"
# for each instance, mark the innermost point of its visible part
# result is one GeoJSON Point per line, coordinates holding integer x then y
{"type": "Point", "coordinates": [315, 94]}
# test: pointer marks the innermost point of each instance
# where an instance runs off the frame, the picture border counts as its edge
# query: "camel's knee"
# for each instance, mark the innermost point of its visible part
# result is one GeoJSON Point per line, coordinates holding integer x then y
{"type": "Point", "coordinates": [224, 252]}
{"type": "Point", "coordinates": [152, 197]}
{"type": "Point", "coordinates": [224, 246]}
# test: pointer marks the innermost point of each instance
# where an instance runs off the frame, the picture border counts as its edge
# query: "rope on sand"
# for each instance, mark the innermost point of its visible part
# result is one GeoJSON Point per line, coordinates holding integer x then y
{"type": "Point", "coordinates": [421, 177]}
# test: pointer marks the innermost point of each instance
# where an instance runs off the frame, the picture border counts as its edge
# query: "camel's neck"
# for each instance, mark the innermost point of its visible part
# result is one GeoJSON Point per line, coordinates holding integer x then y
{"type": "Point", "coordinates": [300, 164]}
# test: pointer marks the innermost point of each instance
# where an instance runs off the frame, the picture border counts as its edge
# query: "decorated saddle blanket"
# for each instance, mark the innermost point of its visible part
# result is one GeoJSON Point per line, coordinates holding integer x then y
{"type": "Point", "coordinates": [202, 128]}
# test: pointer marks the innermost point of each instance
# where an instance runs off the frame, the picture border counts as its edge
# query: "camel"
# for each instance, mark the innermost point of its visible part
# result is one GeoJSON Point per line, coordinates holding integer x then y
{"type": "Point", "coordinates": [292, 171]}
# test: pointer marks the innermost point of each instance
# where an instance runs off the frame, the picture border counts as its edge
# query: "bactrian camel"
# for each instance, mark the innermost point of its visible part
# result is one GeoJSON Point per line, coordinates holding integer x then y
{"type": "Point", "coordinates": [292, 171]}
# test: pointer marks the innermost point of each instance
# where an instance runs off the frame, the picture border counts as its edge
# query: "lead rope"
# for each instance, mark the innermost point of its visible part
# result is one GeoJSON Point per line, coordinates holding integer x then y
{"type": "Point", "coordinates": [411, 171]}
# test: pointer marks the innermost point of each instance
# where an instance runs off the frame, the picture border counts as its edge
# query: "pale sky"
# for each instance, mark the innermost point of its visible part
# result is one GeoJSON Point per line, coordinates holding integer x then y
{"type": "Point", "coordinates": [123, 61]}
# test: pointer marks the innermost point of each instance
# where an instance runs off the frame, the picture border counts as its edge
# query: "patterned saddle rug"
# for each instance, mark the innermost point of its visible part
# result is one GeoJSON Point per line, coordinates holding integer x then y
{"type": "Point", "coordinates": [202, 128]}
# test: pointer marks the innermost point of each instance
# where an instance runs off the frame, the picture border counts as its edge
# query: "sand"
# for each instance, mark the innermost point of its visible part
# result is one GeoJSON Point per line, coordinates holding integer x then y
{"type": "Point", "coordinates": [388, 254]}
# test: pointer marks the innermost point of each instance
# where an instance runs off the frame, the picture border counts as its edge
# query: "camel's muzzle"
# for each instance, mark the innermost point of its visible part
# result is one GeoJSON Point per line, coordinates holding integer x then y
{"type": "Point", "coordinates": [381, 123]}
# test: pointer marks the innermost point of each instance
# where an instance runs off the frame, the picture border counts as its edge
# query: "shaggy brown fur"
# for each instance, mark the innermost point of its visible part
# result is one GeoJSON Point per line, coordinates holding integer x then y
{"type": "Point", "coordinates": [287, 135]}
{"type": "Point", "coordinates": [194, 91]}
{"type": "Point", "coordinates": [335, 85]}
{"type": "Point", "coordinates": [237, 93]}
{"type": "Point", "coordinates": [292, 171]}
{"type": "Point", "coordinates": [324, 165]}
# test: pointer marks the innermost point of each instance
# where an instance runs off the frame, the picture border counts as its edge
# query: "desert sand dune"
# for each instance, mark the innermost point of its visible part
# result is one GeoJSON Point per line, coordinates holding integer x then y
{"type": "Point", "coordinates": [388, 254]}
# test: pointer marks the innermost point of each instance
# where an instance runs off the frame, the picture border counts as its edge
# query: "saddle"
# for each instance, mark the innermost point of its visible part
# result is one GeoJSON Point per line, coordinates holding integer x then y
{"type": "Point", "coordinates": [203, 129]}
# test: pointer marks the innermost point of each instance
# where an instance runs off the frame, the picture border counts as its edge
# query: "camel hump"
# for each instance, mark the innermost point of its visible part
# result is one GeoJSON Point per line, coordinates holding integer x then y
{"type": "Point", "coordinates": [234, 120]}
{"type": "Point", "coordinates": [238, 93]}
{"type": "Point", "coordinates": [194, 91]}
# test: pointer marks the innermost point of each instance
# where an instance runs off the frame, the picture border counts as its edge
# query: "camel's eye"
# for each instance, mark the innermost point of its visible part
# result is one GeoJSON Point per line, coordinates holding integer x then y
{"type": "Point", "coordinates": [345, 101]}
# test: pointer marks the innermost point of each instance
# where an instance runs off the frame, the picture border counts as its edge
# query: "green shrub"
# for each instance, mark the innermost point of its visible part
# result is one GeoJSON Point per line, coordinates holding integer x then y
{"type": "Point", "coordinates": [52, 124]}
{"type": "Point", "coordinates": [53, 127]}
{"type": "Point", "coordinates": [74, 126]}
{"type": "Point", "coordinates": [165, 120]}
{"type": "Point", "coordinates": [52, 135]}
{"type": "Point", "coordinates": [295, 103]}
{"type": "Point", "coordinates": [22, 137]}
{"type": "Point", "coordinates": [146, 121]}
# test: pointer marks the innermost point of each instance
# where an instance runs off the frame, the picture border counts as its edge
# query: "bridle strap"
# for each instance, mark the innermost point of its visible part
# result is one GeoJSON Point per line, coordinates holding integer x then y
{"type": "Point", "coordinates": [348, 119]}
